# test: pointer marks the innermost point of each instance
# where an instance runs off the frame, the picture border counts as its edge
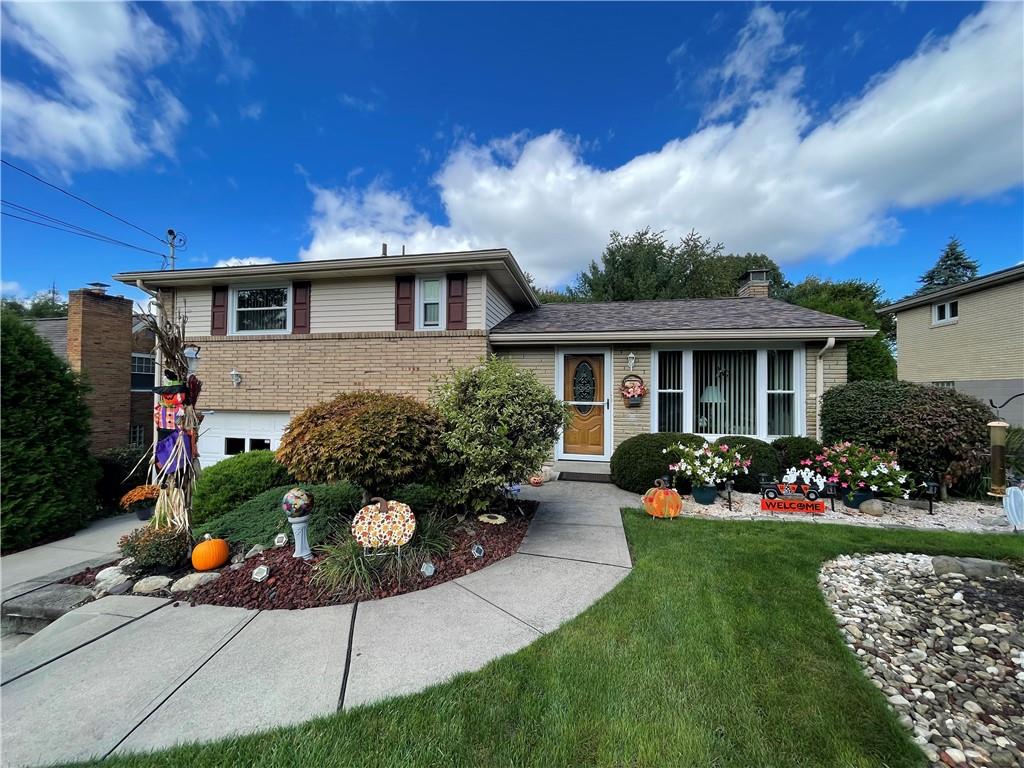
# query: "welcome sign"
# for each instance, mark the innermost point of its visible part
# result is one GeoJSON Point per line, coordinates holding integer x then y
{"type": "Point", "coordinates": [802, 506]}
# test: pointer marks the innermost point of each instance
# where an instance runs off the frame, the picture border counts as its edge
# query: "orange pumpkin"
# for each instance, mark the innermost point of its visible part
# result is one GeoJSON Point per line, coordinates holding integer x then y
{"type": "Point", "coordinates": [210, 553]}
{"type": "Point", "coordinates": [663, 502]}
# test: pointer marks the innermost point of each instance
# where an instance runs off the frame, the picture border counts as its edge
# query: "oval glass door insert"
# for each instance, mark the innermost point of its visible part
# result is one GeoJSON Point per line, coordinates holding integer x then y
{"type": "Point", "coordinates": [584, 385]}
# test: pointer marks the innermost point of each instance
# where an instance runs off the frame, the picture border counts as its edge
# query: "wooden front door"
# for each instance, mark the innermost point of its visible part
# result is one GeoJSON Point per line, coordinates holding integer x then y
{"type": "Point", "coordinates": [583, 385]}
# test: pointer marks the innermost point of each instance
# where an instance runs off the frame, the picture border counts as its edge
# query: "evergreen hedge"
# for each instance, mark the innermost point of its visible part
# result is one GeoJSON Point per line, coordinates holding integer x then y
{"type": "Point", "coordinates": [764, 461]}
{"type": "Point", "coordinates": [49, 478]}
{"type": "Point", "coordinates": [228, 483]}
{"type": "Point", "coordinates": [639, 460]}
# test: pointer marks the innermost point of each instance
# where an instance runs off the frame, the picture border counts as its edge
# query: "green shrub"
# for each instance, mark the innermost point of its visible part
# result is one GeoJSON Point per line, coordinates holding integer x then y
{"type": "Point", "coordinates": [934, 431]}
{"type": "Point", "coordinates": [156, 547]}
{"type": "Point", "coordinates": [763, 461]}
{"type": "Point", "coordinates": [260, 519]}
{"type": "Point", "coordinates": [373, 439]}
{"type": "Point", "coordinates": [234, 480]}
{"type": "Point", "coordinates": [49, 478]}
{"type": "Point", "coordinates": [121, 469]}
{"type": "Point", "coordinates": [640, 460]}
{"type": "Point", "coordinates": [793, 450]}
{"type": "Point", "coordinates": [1015, 450]}
{"type": "Point", "coordinates": [424, 499]}
{"type": "Point", "coordinates": [501, 423]}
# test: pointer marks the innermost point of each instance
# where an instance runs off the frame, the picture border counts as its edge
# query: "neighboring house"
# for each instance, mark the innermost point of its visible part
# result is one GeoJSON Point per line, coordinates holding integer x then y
{"type": "Point", "coordinates": [969, 337]}
{"type": "Point", "coordinates": [276, 338]}
{"type": "Point", "coordinates": [102, 340]}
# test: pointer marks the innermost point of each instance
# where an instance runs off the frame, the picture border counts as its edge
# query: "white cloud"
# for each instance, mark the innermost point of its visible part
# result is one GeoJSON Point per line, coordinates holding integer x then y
{"type": "Point", "coordinates": [944, 124]}
{"type": "Point", "coordinates": [253, 111]}
{"type": "Point", "coordinates": [236, 261]}
{"type": "Point", "coordinates": [361, 104]}
{"type": "Point", "coordinates": [103, 110]}
{"type": "Point", "coordinates": [11, 288]}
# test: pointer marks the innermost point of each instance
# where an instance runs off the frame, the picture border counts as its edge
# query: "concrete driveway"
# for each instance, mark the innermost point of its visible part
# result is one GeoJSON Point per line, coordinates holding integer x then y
{"type": "Point", "coordinates": [133, 674]}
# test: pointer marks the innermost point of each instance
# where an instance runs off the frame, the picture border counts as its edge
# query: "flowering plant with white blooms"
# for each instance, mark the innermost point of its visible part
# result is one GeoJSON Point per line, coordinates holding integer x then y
{"type": "Point", "coordinates": [708, 464]}
{"type": "Point", "coordinates": [860, 468]}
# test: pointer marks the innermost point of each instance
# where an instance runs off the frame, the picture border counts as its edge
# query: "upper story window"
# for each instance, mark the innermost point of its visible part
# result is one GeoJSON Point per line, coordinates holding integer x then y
{"type": "Point", "coordinates": [430, 304]}
{"type": "Point", "coordinates": [143, 372]}
{"type": "Point", "coordinates": [263, 309]}
{"type": "Point", "coordinates": [946, 312]}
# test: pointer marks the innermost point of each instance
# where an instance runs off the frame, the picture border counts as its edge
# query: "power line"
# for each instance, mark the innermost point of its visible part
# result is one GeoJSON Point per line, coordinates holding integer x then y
{"type": "Point", "coordinates": [55, 220]}
{"type": "Point", "coordinates": [101, 238]}
{"type": "Point", "coordinates": [83, 200]}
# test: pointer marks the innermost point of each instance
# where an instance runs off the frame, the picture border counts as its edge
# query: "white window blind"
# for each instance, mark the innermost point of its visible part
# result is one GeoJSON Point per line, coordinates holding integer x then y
{"type": "Point", "coordinates": [781, 393]}
{"type": "Point", "coordinates": [725, 392]}
{"type": "Point", "coordinates": [670, 392]}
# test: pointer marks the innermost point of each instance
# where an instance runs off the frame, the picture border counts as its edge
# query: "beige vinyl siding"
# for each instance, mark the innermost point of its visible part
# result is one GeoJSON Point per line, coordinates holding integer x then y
{"type": "Point", "coordinates": [197, 304]}
{"type": "Point", "coordinates": [498, 305]}
{"type": "Point", "coordinates": [540, 360]}
{"type": "Point", "coordinates": [629, 422]}
{"type": "Point", "coordinates": [986, 341]}
{"type": "Point", "coordinates": [475, 300]}
{"type": "Point", "coordinates": [834, 375]}
{"type": "Point", "coordinates": [364, 304]}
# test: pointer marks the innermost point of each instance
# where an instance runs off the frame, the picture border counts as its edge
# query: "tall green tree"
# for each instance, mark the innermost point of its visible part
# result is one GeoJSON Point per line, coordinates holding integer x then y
{"type": "Point", "coordinates": [645, 265]}
{"type": "Point", "coordinates": [867, 359]}
{"type": "Point", "coordinates": [43, 304]}
{"type": "Point", "coordinates": [953, 267]}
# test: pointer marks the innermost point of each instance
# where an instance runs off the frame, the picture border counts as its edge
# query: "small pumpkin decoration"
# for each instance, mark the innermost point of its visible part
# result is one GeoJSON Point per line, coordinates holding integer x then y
{"type": "Point", "coordinates": [383, 523]}
{"type": "Point", "coordinates": [210, 553]}
{"type": "Point", "coordinates": [537, 480]}
{"type": "Point", "coordinates": [662, 501]}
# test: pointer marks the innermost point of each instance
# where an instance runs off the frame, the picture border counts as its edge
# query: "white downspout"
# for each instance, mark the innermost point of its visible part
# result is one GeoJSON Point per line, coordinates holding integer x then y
{"type": "Point", "coordinates": [820, 381]}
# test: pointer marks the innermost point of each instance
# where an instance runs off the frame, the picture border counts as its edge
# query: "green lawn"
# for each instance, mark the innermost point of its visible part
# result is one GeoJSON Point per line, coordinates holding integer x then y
{"type": "Point", "coordinates": [718, 650]}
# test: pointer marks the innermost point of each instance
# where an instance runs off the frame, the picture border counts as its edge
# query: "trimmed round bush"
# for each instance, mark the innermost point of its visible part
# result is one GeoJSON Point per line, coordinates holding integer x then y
{"type": "Point", "coordinates": [639, 460]}
{"type": "Point", "coordinates": [500, 425]}
{"type": "Point", "coordinates": [373, 439]}
{"type": "Point", "coordinates": [156, 547]}
{"type": "Point", "coordinates": [261, 518]}
{"type": "Point", "coordinates": [230, 482]}
{"type": "Point", "coordinates": [934, 431]}
{"type": "Point", "coordinates": [764, 461]}
{"type": "Point", "coordinates": [793, 450]}
{"type": "Point", "coordinates": [49, 478]}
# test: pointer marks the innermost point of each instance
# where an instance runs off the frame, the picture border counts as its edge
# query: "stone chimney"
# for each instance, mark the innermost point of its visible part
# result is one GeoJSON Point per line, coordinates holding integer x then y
{"type": "Point", "coordinates": [100, 348]}
{"type": "Point", "coordinates": [754, 284]}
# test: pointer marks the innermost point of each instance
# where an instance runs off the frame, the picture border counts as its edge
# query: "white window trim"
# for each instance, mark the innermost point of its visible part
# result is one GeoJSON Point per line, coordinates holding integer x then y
{"type": "Point", "coordinates": [761, 385]}
{"type": "Point", "coordinates": [949, 320]}
{"type": "Point", "coordinates": [233, 313]}
{"type": "Point", "coordinates": [442, 310]}
{"type": "Point", "coordinates": [609, 404]}
{"type": "Point", "coordinates": [150, 357]}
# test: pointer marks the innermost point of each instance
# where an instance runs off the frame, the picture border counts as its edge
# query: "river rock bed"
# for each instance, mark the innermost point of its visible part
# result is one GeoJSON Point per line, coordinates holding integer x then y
{"type": "Point", "coordinates": [947, 652]}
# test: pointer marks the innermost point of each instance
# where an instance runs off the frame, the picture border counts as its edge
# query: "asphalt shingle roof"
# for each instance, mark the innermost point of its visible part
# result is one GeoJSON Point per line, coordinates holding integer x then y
{"type": "Point", "coordinates": [676, 315]}
{"type": "Point", "coordinates": [54, 331]}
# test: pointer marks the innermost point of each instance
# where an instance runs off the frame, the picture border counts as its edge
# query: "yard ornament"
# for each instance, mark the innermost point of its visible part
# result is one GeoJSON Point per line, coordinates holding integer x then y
{"type": "Point", "coordinates": [210, 553]}
{"type": "Point", "coordinates": [383, 523]}
{"type": "Point", "coordinates": [298, 506]}
{"type": "Point", "coordinates": [1013, 505]}
{"type": "Point", "coordinates": [662, 501]}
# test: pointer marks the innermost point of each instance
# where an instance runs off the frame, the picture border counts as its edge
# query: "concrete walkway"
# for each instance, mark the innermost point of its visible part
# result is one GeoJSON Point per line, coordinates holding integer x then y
{"type": "Point", "coordinates": [98, 540]}
{"type": "Point", "coordinates": [127, 674]}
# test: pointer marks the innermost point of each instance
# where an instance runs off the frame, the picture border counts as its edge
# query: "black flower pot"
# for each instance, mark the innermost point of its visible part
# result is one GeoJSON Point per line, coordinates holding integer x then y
{"type": "Point", "coordinates": [144, 513]}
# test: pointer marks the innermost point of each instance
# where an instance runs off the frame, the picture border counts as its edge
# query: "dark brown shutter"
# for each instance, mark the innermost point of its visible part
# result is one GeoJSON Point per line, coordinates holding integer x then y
{"type": "Point", "coordinates": [405, 306]}
{"type": "Point", "coordinates": [300, 307]}
{"type": "Point", "coordinates": [456, 303]}
{"type": "Point", "coordinates": [219, 313]}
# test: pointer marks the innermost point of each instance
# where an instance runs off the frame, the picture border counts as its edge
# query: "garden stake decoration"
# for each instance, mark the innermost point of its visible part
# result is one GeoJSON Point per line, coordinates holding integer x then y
{"type": "Point", "coordinates": [298, 507]}
{"type": "Point", "coordinates": [662, 501]}
{"type": "Point", "coordinates": [383, 525]}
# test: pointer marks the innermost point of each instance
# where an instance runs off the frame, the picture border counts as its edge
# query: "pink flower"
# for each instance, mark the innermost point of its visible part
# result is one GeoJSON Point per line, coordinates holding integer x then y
{"type": "Point", "coordinates": [849, 472]}
{"type": "Point", "coordinates": [805, 462]}
{"type": "Point", "coordinates": [724, 448]}
{"type": "Point", "coordinates": [828, 463]}
{"type": "Point", "coordinates": [845, 485]}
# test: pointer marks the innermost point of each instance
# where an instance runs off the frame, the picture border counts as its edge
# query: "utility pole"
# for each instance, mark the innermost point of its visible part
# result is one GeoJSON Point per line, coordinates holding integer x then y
{"type": "Point", "coordinates": [171, 237]}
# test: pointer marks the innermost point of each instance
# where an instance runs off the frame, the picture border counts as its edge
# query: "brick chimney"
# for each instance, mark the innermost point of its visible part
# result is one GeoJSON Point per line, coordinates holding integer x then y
{"type": "Point", "coordinates": [754, 284]}
{"type": "Point", "coordinates": [100, 348]}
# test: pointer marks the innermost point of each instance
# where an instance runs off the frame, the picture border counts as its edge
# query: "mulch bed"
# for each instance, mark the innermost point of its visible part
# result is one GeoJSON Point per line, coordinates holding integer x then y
{"type": "Point", "coordinates": [88, 576]}
{"type": "Point", "coordinates": [288, 585]}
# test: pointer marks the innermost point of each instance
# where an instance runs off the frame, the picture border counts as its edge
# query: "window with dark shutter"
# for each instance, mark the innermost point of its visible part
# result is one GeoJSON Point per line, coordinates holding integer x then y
{"type": "Point", "coordinates": [300, 307]}
{"type": "Point", "coordinates": [457, 285]}
{"type": "Point", "coordinates": [405, 305]}
{"type": "Point", "coordinates": [219, 311]}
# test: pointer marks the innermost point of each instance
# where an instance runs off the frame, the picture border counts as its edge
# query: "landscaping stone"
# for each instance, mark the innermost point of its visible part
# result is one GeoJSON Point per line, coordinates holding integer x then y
{"type": "Point", "coordinates": [193, 580]}
{"type": "Point", "coordinates": [256, 549]}
{"type": "Point", "coordinates": [151, 584]}
{"type": "Point", "coordinates": [108, 580]}
{"type": "Point", "coordinates": [945, 648]}
{"type": "Point", "coordinates": [873, 507]}
{"type": "Point", "coordinates": [128, 562]}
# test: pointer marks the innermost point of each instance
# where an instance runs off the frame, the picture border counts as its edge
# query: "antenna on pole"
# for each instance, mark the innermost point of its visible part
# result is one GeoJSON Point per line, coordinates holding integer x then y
{"type": "Point", "coordinates": [176, 241]}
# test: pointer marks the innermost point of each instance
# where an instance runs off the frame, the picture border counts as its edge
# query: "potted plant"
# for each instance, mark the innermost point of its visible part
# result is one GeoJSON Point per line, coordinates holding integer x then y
{"type": "Point", "coordinates": [861, 472]}
{"type": "Point", "coordinates": [707, 466]}
{"type": "Point", "coordinates": [633, 390]}
{"type": "Point", "coordinates": [141, 500]}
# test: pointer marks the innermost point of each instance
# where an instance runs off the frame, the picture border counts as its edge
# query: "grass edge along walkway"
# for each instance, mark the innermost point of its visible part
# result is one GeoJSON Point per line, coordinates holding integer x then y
{"type": "Point", "coordinates": [718, 650]}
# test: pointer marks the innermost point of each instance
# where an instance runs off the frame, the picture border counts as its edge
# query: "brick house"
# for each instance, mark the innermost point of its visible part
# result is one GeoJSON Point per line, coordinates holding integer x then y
{"type": "Point", "coordinates": [969, 337]}
{"type": "Point", "coordinates": [104, 341]}
{"type": "Point", "coordinates": [276, 338]}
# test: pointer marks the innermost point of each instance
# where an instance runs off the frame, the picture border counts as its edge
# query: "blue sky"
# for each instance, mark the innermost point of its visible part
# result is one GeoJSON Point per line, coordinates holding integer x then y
{"type": "Point", "coordinates": [843, 140]}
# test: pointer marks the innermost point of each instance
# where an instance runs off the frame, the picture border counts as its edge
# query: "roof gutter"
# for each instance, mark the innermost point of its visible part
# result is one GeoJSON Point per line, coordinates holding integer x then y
{"type": "Point", "coordinates": [730, 334]}
{"type": "Point", "coordinates": [820, 380]}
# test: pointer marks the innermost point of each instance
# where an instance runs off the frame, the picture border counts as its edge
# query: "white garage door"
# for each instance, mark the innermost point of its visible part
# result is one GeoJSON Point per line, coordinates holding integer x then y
{"type": "Point", "coordinates": [226, 433]}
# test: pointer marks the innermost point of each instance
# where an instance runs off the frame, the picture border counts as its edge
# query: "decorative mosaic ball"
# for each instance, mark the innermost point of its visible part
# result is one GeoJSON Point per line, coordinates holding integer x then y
{"type": "Point", "coordinates": [297, 503]}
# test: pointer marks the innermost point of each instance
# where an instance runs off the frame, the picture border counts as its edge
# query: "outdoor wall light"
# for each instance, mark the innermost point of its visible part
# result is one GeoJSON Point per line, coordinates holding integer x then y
{"type": "Point", "coordinates": [236, 377]}
{"type": "Point", "coordinates": [630, 360]}
{"type": "Point", "coordinates": [192, 355]}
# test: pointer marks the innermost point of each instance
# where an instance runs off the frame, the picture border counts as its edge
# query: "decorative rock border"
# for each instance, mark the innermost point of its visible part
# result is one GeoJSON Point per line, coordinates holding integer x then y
{"type": "Point", "coordinates": [947, 651]}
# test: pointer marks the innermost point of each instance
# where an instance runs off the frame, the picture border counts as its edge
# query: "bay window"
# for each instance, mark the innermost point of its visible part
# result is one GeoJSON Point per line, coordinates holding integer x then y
{"type": "Point", "coordinates": [714, 392]}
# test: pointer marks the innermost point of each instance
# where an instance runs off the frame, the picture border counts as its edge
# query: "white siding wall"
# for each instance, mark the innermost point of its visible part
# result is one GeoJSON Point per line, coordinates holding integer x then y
{"type": "Point", "coordinates": [475, 300]}
{"type": "Point", "coordinates": [365, 304]}
{"type": "Point", "coordinates": [196, 303]}
{"type": "Point", "coordinates": [498, 306]}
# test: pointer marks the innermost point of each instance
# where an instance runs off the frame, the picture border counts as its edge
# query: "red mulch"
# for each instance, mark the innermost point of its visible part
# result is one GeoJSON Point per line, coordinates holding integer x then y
{"type": "Point", "coordinates": [288, 584]}
{"type": "Point", "coordinates": [88, 576]}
